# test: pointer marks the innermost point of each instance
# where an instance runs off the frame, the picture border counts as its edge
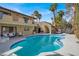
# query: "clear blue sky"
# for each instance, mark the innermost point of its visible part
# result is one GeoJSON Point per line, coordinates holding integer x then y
{"type": "Point", "coordinates": [29, 8]}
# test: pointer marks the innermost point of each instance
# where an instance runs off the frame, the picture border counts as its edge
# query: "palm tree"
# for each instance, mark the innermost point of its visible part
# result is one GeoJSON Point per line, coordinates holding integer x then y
{"type": "Point", "coordinates": [61, 13]}
{"type": "Point", "coordinates": [37, 15]}
{"type": "Point", "coordinates": [53, 8]}
{"type": "Point", "coordinates": [76, 19]}
{"type": "Point", "coordinates": [75, 22]}
{"type": "Point", "coordinates": [59, 20]}
{"type": "Point", "coordinates": [68, 7]}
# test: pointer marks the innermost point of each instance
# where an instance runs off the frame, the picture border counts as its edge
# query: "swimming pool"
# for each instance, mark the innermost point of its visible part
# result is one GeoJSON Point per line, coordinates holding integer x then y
{"type": "Point", "coordinates": [36, 44]}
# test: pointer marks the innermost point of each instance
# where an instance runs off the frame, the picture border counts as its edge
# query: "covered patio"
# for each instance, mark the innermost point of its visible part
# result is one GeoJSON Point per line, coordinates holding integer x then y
{"type": "Point", "coordinates": [11, 29]}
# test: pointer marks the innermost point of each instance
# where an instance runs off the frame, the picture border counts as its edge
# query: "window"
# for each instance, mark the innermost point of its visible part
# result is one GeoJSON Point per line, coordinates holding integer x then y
{"type": "Point", "coordinates": [26, 28]}
{"type": "Point", "coordinates": [26, 19]}
{"type": "Point", "coordinates": [1, 15]}
{"type": "Point", "coordinates": [15, 18]}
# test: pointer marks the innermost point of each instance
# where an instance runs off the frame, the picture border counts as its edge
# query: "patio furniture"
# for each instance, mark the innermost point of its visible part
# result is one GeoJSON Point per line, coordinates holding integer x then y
{"type": "Point", "coordinates": [11, 35]}
{"type": "Point", "coordinates": [5, 35]}
{"type": "Point", "coordinates": [20, 34]}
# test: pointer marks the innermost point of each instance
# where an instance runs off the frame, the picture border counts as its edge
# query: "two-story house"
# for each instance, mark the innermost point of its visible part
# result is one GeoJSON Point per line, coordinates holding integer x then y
{"type": "Point", "coordinates": [15, 22]}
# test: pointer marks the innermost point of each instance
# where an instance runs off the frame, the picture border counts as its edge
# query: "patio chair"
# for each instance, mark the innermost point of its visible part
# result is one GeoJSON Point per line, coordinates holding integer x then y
{"type": "Point", "coordinates": [20, 34]}
{"type": "Point", "coordinates": [11, 35]}
{"type": "Point", "coordinates": [5, 35]}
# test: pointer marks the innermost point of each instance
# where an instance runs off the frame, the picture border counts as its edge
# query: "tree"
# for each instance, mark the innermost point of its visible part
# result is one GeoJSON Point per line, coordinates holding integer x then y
{"type": "Point", "coordinates": [37, 15]}
{"type": "Point", "coordinates": [61, 13]}
{"type": "Point", "coordinates": [76, 19]}
{"type": "Point", "coordinates": [53, 8]}
{"type": "Point", "coordinates": [59, 19]}
{"type": "Point", "coordinates": [75, 22]}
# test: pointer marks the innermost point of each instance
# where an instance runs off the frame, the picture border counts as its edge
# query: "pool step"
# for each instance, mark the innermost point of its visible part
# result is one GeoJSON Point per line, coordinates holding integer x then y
{"type": "Point", "coordinates": [11, 52]}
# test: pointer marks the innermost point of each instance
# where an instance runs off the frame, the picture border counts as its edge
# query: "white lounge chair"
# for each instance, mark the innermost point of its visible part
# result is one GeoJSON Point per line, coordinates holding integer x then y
{"type": "Point", "coordinates": [20, 34]}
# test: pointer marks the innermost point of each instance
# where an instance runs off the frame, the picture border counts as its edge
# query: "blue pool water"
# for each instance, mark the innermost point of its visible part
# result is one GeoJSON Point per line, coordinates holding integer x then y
{"type": "Point", "coordinates": [35, 44]}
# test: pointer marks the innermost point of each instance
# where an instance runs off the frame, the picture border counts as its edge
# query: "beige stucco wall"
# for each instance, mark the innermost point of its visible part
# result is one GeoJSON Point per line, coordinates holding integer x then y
{"type": "Point", "coordinates": [7, 20]}
{"type": "Point", "coordinates": [42, 26]}
{"type": "Point", "coordinates": [30, 31]}
{"type": "Point", "coordinates": [20, 29]}
{"type": "Point", "coordinates": [11, 16]}
{"type": "Point", "coordinates": [29, 21]}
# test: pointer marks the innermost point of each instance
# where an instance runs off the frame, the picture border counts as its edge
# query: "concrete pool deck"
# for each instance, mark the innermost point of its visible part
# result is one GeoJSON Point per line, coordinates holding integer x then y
{"type": "Point", "coordinates": [5, 46]}
{"type": "Point", "coordinates": [70, 48]}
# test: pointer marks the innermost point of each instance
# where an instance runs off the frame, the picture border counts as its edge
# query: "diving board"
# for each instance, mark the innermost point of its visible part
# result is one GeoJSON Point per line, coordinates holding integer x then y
{"type": "Point", "coordinates": [10, 52]}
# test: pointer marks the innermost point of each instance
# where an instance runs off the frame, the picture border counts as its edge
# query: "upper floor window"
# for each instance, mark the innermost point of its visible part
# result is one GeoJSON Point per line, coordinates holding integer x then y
{"type": "Point", "coordinates": [26, 19]}
{"type": "Point", "coordinates": [15, 18]}
{"type": "Point", "coordinates": [1, 15]}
